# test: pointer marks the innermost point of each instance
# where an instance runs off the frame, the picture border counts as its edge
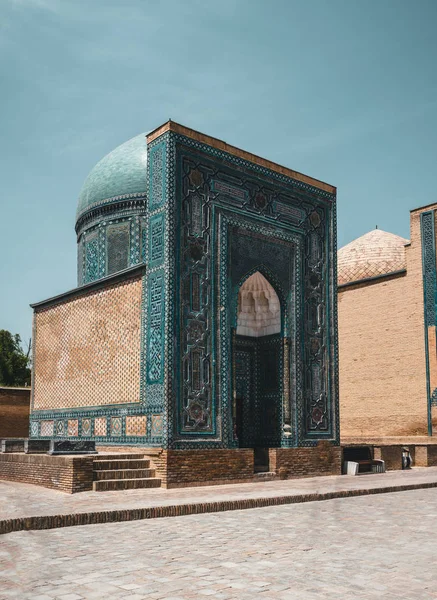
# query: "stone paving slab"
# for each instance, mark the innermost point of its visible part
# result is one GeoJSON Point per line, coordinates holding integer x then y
{"type": "Point", "coordinates": [364, 548]}
{"type": "Point", "coordinates": [25, 507]}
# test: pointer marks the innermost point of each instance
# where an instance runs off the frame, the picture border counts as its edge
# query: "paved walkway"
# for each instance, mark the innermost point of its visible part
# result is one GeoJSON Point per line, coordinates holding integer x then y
{"type": "Point", "coordinates": [20, 502]}
{"type": "Point", "coordinates": [379, 546]}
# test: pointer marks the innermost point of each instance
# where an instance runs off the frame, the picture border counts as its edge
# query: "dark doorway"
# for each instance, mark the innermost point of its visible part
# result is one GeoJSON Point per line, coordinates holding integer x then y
{"type": "Point", "coordinates": [258, 368]}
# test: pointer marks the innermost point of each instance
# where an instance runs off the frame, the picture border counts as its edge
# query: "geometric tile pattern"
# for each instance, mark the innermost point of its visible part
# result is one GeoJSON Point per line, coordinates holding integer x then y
{"type": "Point", "coordinates": [427, 223]}
{"type": "Point", "coordinates": [136, 425]}
{"type": "Point", "coordinates": [156, 425]}
{"type": "Point", "coordinates": [60, 428]}
{"type": "Point", "coordinates": [429, 275]}
{"type": "Point", "coordinates": [116, 426]}
{"type": "Point", "coordinates": [100, 426]}
{"type": "Point", "coordinates": [273, 207]}
{"type": "Point", "coordinates": [47, 428]}
{"type": "Point", "coordinates": [88, 349]}
{"type": "Point", "coordinates": [86, 427]}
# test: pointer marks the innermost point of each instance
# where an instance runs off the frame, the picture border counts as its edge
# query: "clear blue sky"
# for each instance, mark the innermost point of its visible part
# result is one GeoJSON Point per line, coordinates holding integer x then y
{"type": "Point", "coordinates": [343, 90]}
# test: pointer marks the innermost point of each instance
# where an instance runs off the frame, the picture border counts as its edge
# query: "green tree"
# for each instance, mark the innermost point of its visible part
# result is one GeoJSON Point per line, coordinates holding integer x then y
{"type": "Point", "coordinates": [14, 362]}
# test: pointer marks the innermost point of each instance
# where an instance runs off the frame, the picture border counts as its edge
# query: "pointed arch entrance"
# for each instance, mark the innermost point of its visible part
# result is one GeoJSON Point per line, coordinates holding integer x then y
{"type": "Point", "coordinates": [258, 364]}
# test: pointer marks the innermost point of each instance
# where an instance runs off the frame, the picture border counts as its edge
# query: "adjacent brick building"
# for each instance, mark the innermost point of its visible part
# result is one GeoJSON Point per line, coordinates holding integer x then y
{"type": "Point", "coordinates": [14, 412]}
{"type": "Point", "coordinates": [387, 331]}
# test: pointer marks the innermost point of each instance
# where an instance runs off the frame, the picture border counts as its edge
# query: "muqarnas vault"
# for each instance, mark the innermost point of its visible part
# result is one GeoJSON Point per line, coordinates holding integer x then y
{"type": "Point", "coordinates": [204, 321]}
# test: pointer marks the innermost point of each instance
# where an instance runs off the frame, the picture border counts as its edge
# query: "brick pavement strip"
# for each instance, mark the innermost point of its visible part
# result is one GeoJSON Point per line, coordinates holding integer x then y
{"type": "Point", "coordinates": [91, 508]}
{"type": "Point", "coordinates": [374, 546]}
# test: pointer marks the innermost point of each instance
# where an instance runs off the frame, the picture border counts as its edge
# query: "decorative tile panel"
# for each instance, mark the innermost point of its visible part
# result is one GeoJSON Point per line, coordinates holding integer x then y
{"type": "Point", "coordinates": [117, 247]}
{"type": "Point", "coordinates": [100, 425]}
{"type": "Point", "coordinates": [73, 427]}
{"type": "Point", "coordinates": [155, 345]}
{"type": "Point", "coordinates": [47, 428]}
{"type": "Point", "coordinates": [59, 428]}
{"type": "Point", "coordinates": [116, 426]}
{"type": "Point", "coordinates": [156, 429]}
{"type": "Point", "coordinates": [429, 266]}
{"type": "Point", "coordinates": [143, 242]}
{"type": "Point", "coordinates": [156, 240]}
{"type": "Point", "coordinates": [158, 175]}
{"type": "Point", "coordinates": [91, 257]}
{"type": "Point", "coordinates": [86, 427]}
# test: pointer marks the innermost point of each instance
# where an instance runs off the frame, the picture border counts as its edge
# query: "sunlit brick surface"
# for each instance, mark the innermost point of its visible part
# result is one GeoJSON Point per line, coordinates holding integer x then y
{"type": "Point", "coordinates": [136, 425]}
{"type": "Point", "coordinates": [382, 353]}
{"type": "Point", "coordinates": [87, 349]}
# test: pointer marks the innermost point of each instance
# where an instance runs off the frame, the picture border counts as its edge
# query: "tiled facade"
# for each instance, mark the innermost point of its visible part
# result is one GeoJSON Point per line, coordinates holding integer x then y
{"type": "Point", "coordinates": [152, 354]}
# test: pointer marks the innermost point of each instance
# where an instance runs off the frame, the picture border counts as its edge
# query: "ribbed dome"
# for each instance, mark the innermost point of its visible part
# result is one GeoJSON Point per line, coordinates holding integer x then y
{"type": "Point", "coordinates": [121, 172]}
{"type": "Point", "coordinates": [375, 253]}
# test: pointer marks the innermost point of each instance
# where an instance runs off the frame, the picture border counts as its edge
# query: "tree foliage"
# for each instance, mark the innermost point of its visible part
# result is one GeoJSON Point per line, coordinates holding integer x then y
{"type": "Point", "coordinates": [14, 362]}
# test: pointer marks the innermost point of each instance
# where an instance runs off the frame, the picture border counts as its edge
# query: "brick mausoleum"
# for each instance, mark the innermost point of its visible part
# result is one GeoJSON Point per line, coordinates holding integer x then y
{"type": "Point", "coordinates": [387, 290]}
{"type": "Point", "coordinates": [203, 326]}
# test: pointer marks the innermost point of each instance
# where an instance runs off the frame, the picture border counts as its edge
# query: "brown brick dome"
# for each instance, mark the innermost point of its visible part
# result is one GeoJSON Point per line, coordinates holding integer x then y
{"type": "Point", "coordinates": [375, 253]}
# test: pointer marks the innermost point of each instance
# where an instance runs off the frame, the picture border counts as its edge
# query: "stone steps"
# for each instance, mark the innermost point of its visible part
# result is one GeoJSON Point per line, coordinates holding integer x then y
{"type": "Point", "coordinates": [265, 476]}
{"type": "Point", "coordinates": [123, 464]}
{"type": "Point", "coordinates": [119, 456]}
{"type": "Point", "coordinates": [125, 484]}
{"type": "Point", "coordinates": [123, 472]}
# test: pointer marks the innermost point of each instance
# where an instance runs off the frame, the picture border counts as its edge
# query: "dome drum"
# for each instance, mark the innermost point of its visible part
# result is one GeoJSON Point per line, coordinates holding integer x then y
{"type": "Point", "coordinates": [110, 212]}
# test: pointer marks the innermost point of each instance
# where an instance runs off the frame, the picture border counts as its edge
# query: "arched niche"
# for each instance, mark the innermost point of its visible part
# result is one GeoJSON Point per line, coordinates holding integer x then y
{"type": "Point", "coordinates": [259, 309]}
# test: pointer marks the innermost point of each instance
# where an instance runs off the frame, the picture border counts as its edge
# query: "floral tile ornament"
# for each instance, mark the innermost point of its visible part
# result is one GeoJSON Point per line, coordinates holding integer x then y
{"type": "Point", "coordinates": [86, 427]}
{"type": "Point", "coordinates": [73, 427]}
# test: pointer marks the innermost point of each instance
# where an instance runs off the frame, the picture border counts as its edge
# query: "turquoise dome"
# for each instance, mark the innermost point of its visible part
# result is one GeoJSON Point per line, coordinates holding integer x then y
{"type": "Point", "coordinates": [122, 172]}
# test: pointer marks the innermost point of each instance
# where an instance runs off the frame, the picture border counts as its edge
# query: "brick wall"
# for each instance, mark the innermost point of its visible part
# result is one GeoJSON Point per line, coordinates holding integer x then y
{"type": "Point", "coordinates": [432, 456]}
{"type": "Point", "coordinates": [65, 473]}
{"type": "Point", "coordinates": [180, 468]}
{"type": "Point", "coordinates": [392, 455]}
{"type": "Point", "coordinates": [382, 353]}
{"type": "Point", "coordinates": [125, 449]}
{"type": "Point", "coordinates": [14, 412]}
{"type": "Point", "coordinates": [87, 348]}
{"type": "Point", "coordinates": [184, 468]}
{"type": "Point", "coordinates": [322, 459]}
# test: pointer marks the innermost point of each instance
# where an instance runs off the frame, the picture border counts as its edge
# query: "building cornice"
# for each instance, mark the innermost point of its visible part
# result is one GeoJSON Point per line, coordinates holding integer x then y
{"type": "Point", "coordinates": [132, 202]}
{"type": "Point", "coordinates": [130, 273]}
{"type": "Point", "coordinates": [375, 279]}
{"type": "Point", "coordinates": [233, 150]}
